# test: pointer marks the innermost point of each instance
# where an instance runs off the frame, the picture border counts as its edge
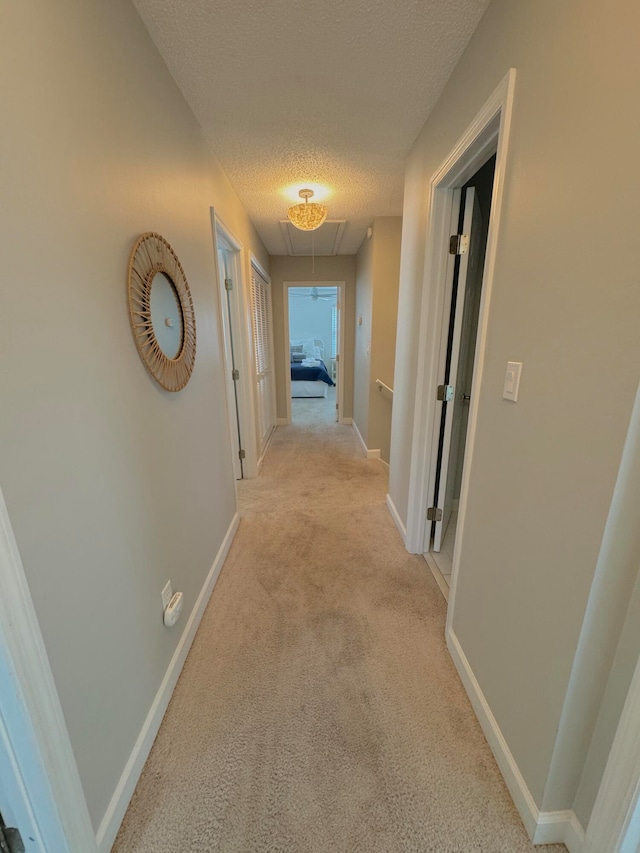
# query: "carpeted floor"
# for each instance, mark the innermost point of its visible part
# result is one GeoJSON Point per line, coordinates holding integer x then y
{"type": "Point", "coordinates": [319, 711]}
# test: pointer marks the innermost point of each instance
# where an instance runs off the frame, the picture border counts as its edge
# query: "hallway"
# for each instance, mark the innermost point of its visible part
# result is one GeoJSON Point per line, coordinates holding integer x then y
{"type": "Point", "coordinates": [318, 709]}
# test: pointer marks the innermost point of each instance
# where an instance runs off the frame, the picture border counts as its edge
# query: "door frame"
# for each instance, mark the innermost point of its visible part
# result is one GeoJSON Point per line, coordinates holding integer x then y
{"type": "Point", "coordinates": [487, 134]}
{"type": "Point", "coordinates": [340, 285]}
{"type": "Point", "coordinates": [42, 794]}
{"type": "Point", "coordinates": [241, 317]}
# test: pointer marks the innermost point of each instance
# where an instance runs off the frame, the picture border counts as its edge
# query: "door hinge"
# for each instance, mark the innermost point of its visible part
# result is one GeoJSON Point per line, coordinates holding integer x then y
{"type": "Point", "coordinates": [434, 514]}
{"type": "Point", "coordinates": [458, 244]}
{"type": "Point", "coordinates": [336, 405]}
{"type": "Point", "coordinates": [241, 454]}
{"type": "Point", "coordinates": [10, 840]}
{"type": "Point", "coordinates": [228, 284]}
{"type": "Point", "coordinates": [445, 393]}
{"type": "Point", "coordinates": [235, 375]}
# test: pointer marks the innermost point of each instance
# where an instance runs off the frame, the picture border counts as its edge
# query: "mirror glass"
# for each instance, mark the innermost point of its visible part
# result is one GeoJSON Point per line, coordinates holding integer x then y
{"type": "Point", "coordinates": [166, 315]}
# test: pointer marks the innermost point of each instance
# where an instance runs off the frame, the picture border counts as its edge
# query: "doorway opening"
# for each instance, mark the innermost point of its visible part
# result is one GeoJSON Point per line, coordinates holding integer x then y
{"type": "Point", "coordinates": [314, 337]}
{"type": "Point", "coordinates": [470, 218]}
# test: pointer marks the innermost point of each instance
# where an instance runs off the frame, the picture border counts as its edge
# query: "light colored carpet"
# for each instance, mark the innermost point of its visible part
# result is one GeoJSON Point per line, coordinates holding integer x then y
{"type": "Point", "coordinates": [319, 710]}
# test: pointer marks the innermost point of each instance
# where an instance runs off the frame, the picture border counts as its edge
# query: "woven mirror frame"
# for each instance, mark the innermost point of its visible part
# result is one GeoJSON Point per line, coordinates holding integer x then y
{"type": "Point", "coordinates": [151, 255]}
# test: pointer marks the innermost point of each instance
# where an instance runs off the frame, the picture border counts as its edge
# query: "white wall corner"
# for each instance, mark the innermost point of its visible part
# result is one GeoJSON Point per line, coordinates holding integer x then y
{"type": "Point", "coordinates": [115, 813]}
{"type": "Point", "coordinates": [560, 827]}
{"type": "Point", "coordinates": [395, 515]}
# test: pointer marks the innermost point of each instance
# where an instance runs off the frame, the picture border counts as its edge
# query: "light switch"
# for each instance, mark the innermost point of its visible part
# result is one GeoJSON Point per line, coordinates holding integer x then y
{"type": "Point", "coordinates": [512, 380]}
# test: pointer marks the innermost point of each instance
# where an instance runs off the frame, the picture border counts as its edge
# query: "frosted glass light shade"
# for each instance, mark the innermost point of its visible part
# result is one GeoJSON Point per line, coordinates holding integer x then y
{"type": "Point", "coordinates": [309, 215]}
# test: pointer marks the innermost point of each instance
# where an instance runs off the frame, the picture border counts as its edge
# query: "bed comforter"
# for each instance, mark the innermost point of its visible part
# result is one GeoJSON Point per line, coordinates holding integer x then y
{"type": "Point", "coordinates": [311, 374]}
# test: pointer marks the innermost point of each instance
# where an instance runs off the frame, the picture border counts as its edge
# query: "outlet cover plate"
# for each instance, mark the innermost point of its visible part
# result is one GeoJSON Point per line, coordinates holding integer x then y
{"type": "Point", "coordinates": [167, 592]}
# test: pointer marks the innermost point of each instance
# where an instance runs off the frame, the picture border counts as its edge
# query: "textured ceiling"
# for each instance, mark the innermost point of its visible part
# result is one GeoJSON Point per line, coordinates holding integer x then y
{"type": "Point", "coordinates": [332, 93]}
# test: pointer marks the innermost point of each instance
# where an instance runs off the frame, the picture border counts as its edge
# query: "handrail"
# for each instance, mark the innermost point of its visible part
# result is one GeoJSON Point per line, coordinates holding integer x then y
{"type": "Point", "coordinates": [384, 389]}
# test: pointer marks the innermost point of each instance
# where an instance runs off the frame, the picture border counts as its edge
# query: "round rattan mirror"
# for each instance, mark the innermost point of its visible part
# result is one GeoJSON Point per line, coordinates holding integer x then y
{"type": "Point", "coordinates": [161, 310]}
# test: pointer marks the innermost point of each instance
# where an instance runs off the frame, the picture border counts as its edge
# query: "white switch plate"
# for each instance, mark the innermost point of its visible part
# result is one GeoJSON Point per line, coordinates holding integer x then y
{"type": "Point", "coordinates": [512, 380]}
{"type": "Point", "coordinates": [167, 592]}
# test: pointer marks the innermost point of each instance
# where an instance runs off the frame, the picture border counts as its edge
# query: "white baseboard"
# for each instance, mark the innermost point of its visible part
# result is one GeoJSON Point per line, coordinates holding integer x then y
{"type": "Point", "coordinates": [560, 827]}
{"type": "Point", "coordinates": [386, 464]}
{"type": "Point", "coordinates": [395, 515]}
{"type": "Point", "coordinates": [114, 815]}
{"type": "Point", "coordinates": [283, 422]}
{"type": "Point", "coordinates": [346, 421]}
{"type": "Point", "coordinates": [354, 427]}
{"type": "Point", "coordinates": [370, 454]}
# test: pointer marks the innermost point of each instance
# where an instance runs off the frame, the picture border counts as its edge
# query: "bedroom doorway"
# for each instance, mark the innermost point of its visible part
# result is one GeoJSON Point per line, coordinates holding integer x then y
{"type": "Point", "coordinates": [314, 339]}
{"type": "Point", "coordinates": [459, 332]}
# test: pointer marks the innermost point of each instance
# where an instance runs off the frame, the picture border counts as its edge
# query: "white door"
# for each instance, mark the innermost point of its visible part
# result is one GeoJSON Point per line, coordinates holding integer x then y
{"type": "Point", "coordinates": [263, 358]}
{"type": "Point", "coordinates": [226, 271]}
{"type": "Point", "coordinates": [334, 365]}
{"type": "Point", "coordinates": [41, 795]}
{"type": "Point", "coordinates": [455, 395]}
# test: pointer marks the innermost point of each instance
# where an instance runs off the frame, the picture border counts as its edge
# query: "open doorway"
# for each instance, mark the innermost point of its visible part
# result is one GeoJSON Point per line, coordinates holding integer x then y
{"type": "Point", "coordinates": [470, 225]}
{"type": "Point", "coordinates": [313, 339]}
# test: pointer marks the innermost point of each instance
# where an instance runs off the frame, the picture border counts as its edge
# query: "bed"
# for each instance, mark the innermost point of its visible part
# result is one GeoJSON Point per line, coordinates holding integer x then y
{"type": "Point", "coordinates": [309, 374]}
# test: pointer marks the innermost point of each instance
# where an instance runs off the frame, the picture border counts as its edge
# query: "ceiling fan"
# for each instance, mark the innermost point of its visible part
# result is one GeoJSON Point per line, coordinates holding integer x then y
{"type": "Point", "coordinates": [315, 296]}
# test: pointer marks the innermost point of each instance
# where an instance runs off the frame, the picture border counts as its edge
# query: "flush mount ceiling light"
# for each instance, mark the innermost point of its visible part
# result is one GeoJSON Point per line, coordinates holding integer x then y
{"type": "Point", "coordinates": [309, 215]}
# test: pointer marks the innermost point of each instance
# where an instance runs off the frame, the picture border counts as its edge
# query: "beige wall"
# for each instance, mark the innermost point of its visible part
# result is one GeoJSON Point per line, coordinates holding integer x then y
{"type": "Point", "coordinates": [362, 362]}
{"type": "Point", "coordinates": [377, 272]}
{"type": "Point", "coordinates": [566, 301]}
{"type": "Point", "coordinates": [113, 485]}
{"type": "Point", "coordinates": [387, 232]}
{"type": "Point", "coordinates": [338, 268]}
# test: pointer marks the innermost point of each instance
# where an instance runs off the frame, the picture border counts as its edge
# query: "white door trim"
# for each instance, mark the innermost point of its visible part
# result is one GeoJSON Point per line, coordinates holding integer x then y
{"type": "Point", "coordinates": [46, 798]}
{"type": "Point", "coordinates": [488, 133]}
{"type": "Point", "coordinates": [241, 314]}
{"type": "Point", "coordinates": [340, 285]}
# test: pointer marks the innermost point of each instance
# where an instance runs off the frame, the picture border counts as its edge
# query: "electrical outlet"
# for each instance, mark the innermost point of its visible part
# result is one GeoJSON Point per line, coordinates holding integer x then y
{"type": "Point", "coordinates": [167, 592]}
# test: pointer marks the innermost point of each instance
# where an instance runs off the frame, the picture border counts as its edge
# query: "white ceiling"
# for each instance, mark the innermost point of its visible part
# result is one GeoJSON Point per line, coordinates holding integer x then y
{"type": "Point", "coordinates": [332, 92]}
